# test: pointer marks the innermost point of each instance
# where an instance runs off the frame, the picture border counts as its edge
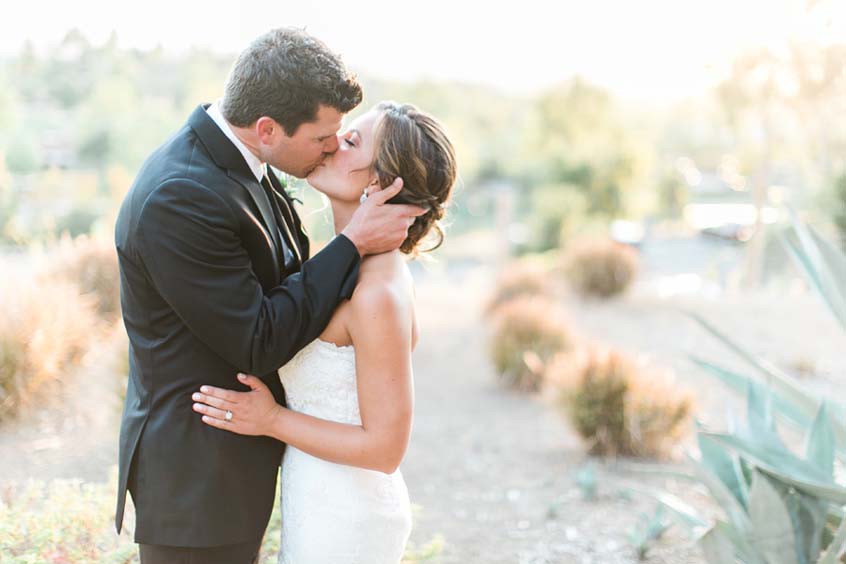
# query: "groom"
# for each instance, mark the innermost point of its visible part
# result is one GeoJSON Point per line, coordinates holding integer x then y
{"type": "Point", "coordinates": [216, 279]}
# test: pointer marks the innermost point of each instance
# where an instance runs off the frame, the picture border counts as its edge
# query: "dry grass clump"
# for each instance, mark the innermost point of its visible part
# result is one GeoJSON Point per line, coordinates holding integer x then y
{"type": "Point", "coordinates": [600, 267]}
{"type": "Point", "coordinates": [520, 281]}
{"type": "Point", "coordinates": [92, 265]}
{"type": "Point", "coordinates": [621, 406]}
{"type": "Point", "coordinates": [45, 330]}
{"type": "Point", "coordinates": [527, 332]}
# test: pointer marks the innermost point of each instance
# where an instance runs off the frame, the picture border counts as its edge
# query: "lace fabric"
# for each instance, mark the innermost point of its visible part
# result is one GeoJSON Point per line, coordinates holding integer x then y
{"type": "Point", "coordinates": [334, 512]}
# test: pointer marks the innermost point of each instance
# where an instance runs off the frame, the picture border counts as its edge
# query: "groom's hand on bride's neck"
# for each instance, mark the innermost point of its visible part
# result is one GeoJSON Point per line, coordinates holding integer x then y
{"type": "Point", "coordinates": [377, 227]}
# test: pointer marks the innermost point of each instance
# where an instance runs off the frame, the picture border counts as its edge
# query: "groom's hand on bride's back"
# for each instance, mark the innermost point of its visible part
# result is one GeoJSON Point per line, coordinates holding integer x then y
{"type": "Point", "coordinates": [377, 227]}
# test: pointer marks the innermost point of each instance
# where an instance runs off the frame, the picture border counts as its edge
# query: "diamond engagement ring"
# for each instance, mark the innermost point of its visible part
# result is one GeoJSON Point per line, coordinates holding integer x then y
{"type": "Point", "coordinates": [228, 415]}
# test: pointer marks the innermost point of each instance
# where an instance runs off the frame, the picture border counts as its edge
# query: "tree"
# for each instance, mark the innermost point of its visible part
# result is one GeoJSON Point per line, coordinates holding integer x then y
{"type": "Point", "coordinates": [23, 155]}
{"type": "Point", "coordinates": [752, 98]}
{"type": "Point", "coordinates": [579, 139]}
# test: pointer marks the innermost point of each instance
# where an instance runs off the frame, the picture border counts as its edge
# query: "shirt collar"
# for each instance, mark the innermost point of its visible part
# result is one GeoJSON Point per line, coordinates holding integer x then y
{"type": "Point", "coordinates": [256, 166]}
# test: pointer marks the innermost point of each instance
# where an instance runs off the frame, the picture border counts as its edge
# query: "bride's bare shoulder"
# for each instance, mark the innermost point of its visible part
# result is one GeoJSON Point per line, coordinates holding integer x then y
{"type": "Point", "coordinates": [384, 294]}
{"type": "Point", "coordinates": [383, 278]}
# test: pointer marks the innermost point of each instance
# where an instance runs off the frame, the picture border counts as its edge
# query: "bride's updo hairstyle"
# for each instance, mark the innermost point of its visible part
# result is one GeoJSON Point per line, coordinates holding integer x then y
{"type": "Point", "coordinates": [412, 144]}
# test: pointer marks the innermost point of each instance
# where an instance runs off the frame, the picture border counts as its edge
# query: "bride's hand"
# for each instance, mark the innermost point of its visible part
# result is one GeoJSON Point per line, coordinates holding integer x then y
{"type": "Point", "coordinates": [252, 412]}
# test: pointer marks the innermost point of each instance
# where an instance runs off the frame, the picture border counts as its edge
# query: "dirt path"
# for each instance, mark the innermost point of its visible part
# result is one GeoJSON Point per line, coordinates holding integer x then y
{"type": "Point", "coordinates": [493, 470]}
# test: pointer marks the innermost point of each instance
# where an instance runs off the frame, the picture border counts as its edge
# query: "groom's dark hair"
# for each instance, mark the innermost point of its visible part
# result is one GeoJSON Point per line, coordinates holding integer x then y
{"type": "Point", "coordinates": [286, 74]}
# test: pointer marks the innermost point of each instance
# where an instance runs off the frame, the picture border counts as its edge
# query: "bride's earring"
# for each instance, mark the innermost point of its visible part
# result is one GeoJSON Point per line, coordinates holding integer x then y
{"type": "Point", "coordinates": [363, 197]}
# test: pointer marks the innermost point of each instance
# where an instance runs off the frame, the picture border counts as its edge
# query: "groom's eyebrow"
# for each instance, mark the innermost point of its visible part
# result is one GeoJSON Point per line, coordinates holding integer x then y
{"type": "Point", "coordinates": [324, 137]}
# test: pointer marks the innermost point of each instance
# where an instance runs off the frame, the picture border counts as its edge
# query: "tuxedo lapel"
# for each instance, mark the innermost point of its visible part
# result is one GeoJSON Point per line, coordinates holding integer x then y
{"type": "Point", "coordinates": [258, 195]}
{"type": "Point", "coordinates": [226, 156]}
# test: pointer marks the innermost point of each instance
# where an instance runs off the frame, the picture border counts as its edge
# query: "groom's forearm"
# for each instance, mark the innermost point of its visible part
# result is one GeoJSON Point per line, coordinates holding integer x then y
{"type": "Point", "coordinates": [341, 443]}
{"type": "Point", "coordinates": [297, 311]}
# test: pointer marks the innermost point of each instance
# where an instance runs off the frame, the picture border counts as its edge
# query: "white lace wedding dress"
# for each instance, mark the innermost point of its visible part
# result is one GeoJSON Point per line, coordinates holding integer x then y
{"type": "Point", "coordinates": [333, 513]}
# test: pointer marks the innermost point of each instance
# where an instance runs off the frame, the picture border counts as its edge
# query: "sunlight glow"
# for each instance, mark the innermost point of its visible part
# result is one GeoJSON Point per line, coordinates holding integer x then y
{"type": "Point", "coordinates": [659, 49]}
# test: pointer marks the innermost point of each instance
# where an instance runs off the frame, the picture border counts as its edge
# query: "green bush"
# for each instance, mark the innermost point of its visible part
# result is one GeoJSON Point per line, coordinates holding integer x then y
{"type": "Point", "coordinates": [63, 522]}
{"type": "Point", "coordinates": [76, 222]}
{"type": "Point", "coordinates": [557, 211]}
{"type": "Point", "coordinates": [71, 522]}
{"type": "Point", "coordinates": [23, 155]}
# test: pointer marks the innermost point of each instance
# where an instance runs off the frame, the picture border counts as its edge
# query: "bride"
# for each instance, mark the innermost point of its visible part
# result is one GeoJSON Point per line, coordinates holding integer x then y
{"type": "Point", "coordinates": [350, 392]}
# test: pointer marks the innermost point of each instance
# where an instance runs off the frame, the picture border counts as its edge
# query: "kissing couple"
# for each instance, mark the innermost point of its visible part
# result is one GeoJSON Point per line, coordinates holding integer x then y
{"type": "Point", "coordinates": [249, 355]}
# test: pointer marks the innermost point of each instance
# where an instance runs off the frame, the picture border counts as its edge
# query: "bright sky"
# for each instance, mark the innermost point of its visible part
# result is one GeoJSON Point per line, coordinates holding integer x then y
{"type": "Point", "coordinates": [659, 49]}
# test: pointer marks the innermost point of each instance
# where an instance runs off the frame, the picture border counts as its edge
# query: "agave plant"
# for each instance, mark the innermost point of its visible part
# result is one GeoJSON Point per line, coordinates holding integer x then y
{"type": "Point", "coordinates": [779, 507]}
{"type": "Point", "coordinates": [649, 528]}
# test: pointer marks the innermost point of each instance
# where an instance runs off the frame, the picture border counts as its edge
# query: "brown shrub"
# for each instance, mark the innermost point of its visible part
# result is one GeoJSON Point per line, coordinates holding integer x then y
{"type": "Point", "coordinates": [92, 265]}
{"type": "Point", "coordinates": [527, 332]}
{"type": "Point", "coordinates": [619, 405]}
{"type": "Point", "coordinates": [45, 329]}
{"type": "Point", "coordinates": [600, 267]}
{"type": "Point", "coordinates": [518, 281]}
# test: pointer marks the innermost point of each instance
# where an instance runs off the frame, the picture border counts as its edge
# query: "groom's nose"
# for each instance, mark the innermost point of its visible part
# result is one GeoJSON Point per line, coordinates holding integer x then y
{"type": "Point", "coordinates": [331, 144]}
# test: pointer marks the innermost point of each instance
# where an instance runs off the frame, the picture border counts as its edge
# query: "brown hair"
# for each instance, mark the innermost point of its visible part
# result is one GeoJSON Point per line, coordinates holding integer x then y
{"type": "Point", "coordinates": [286, 74]}
{"type": "Point", "coordinates": [413, 145]}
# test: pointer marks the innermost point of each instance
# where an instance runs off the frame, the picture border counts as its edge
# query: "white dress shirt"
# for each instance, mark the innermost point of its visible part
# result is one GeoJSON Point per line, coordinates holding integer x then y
{"type": "Point", "coordinates": [253, 161]}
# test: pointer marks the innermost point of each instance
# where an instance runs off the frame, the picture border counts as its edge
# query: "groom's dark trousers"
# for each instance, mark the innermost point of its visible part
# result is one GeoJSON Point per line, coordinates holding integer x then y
{"type": "Point", "coordinates": [206, 293]}
{"type": "Point", "coordinates": [247, 552]}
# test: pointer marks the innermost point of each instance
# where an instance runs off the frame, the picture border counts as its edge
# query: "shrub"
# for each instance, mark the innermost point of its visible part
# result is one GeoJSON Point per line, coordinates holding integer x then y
{"type": "Point", "coordinates": [44, 331]}
{"type": "Point", "coordinates": [77, 222]}
{"type": "Point", "coordinates": [527, 332]}
{"type": "Point", "coordinates": [92, 265]}
{"type": "Point", "coordinates": [64, 522]}
{"type": "Point", "coordinates": [521, 280]}
{"type": "Point", "coordinates": [600, 267]}
{"type": "Point", "coordinates": [71, 522]}
{"type": "Point", "coordinates": [621, 406]}
{"type": "Point", "coordinates": [658, 412]}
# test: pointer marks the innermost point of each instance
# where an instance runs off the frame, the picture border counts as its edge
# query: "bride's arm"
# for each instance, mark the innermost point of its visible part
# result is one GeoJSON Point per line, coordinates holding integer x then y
{"type": "Point", "coordinates": [380, 327]}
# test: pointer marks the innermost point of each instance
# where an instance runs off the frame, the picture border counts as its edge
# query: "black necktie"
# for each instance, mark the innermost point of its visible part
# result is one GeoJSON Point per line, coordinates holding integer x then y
{"type": "Point", "coordinates": [291, 251]}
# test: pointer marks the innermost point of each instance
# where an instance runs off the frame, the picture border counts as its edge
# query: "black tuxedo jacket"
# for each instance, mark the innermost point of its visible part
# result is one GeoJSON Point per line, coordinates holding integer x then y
{"type": "Point", "coordinates": [205, 296]}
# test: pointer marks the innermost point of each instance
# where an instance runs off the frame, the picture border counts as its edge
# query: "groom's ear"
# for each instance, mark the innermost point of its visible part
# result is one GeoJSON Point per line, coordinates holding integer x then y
{"type": "Point", "coordinates": [267, 129]}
